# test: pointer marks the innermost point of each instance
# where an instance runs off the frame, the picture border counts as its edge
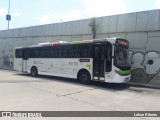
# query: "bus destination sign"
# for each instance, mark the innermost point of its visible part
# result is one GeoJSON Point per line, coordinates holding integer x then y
{"type": "Point", "coordinates": [122, 42]}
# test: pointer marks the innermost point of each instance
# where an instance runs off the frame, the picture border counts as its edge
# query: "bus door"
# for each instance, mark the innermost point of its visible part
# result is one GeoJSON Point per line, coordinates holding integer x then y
{"type": "Point", "coordinates": [99, 62]}
{"type": "Point", "coordinates": [24, 60]}
{"type": "Point", "coordinates": [108, 62]}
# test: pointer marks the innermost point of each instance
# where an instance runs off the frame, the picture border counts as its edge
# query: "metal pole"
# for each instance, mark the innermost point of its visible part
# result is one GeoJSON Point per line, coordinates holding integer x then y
{"type": "Point", "coordinates": [8, 13]}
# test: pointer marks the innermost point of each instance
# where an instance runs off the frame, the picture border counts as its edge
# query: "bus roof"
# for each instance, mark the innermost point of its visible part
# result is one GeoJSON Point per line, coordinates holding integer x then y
{"type": "Point", "coordinates": [111, 40]}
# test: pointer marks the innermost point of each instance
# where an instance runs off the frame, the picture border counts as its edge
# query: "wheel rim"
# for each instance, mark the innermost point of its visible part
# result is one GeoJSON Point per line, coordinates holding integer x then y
{"type": "Point", "coordinates": [84, 77]}
{"type": "Point", "coordinates": [34, 72]}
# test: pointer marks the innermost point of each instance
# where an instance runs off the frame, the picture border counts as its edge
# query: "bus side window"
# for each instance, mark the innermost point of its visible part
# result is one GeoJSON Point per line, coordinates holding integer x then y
{"type": "Point", "coordinates": [36, 53]}
{"type": "Point", "coordinates": [39, 53]}
{"type": "Point", "coordinates": [96, 53]}
{"type": "Point", "coordinates": [65, 51]}
{"type": "Point", "coordinates": [25, 54]}
{"type": "Point", "coordinates": [51, 54]}
{"type": "Point", "coordinates": [72, 52]}
{"type": "Point", "coordinates": [79, 52]}
{"type": "Point", "coordinates": [108, 59]}
{"type": "Point", "coordinates": [76, 51]}
{"type": "Point", "coordinates": [30, 52]}
{"type": "Point", "coordinates": [56, 53]}
{"type": "Point", "coordinates": [18, 53]}
{"type": "Point", "coordinates": [46, 53]}
{"type": "Point", "coordinates": [85, 51]}
{"type": "Point", "coordinates": [59, 52]}
{"type": "Point", "coordinates": [102, 53]}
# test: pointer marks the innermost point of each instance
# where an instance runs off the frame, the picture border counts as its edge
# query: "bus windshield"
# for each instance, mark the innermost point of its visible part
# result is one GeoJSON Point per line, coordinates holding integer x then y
{"type": "Point", "coordinates": [121, 58]}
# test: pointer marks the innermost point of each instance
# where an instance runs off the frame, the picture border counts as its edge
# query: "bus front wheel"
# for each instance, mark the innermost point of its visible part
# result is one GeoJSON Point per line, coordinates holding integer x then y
{"type": "Point", "coordinates": [84, 77]}
{"type": "Point", "coordinates": [34, 72]}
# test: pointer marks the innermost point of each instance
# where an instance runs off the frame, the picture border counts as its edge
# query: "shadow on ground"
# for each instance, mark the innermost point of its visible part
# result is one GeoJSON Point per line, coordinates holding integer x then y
{"type": "Point", "coordinates": [94, 84]}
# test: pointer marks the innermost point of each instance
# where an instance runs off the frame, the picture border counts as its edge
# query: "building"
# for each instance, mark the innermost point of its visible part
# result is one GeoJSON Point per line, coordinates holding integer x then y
{"type": "Point", "coordinates": [142, 29]}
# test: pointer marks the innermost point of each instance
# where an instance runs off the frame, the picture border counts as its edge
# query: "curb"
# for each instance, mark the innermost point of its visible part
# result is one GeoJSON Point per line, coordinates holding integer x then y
{"type": "Point", "coordinates": [144, 85]}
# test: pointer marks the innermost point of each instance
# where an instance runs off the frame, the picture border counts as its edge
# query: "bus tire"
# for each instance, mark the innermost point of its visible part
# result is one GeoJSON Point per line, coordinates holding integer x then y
{"type": "Point", "coordinates": [84, 77]}
{"type": "Point", "coordinates": [34, 71]}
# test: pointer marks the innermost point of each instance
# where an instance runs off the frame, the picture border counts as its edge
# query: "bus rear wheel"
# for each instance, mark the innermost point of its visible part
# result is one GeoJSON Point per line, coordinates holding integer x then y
{"type": "Point", "coordinates": [84, 77]}
{"type": "Point", "coordinates": [34, 72]}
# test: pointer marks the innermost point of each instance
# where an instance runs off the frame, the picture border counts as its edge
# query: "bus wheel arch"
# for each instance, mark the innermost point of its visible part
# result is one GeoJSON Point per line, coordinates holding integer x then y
{"type": "Point", "coordinates": [84, 76]}
{"type": "Point", "coordinates": [34, 71]}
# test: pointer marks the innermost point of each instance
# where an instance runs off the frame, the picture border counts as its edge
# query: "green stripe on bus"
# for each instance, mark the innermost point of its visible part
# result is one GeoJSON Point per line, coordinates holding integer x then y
{"type": "Point", "coordinates": [123, 72]}
{"type": "Point", "coordinates": [88, 66]}
{"type": "Point", "coordinates": [77, 42]}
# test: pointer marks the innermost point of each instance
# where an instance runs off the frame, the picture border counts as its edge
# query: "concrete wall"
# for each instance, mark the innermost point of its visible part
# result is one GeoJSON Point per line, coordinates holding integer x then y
{"type": "Point", "coordinates": [142, 29]}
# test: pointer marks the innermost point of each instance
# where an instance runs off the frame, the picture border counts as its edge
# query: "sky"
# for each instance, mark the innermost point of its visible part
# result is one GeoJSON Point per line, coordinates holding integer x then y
{"type": "Point", "coordinates": [38, 12]}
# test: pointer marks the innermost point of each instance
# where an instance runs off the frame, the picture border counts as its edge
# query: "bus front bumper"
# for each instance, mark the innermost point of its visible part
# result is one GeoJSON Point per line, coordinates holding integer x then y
{"type": "Point", "coordinates": [121, 79]}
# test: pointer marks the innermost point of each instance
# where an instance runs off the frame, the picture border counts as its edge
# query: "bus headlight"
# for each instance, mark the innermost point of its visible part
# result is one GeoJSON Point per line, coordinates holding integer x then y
{"type": "Point", "coordinates": [127, 79]}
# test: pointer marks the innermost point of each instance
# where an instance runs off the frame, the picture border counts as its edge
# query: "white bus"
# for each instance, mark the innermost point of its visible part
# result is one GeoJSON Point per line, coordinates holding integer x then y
{"type": "Point", "coordinates": [104, 60]}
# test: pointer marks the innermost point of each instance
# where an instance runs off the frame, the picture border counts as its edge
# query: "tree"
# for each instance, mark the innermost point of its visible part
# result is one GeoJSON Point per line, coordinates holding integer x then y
{"type": "Point", "coordinates": [94, 27]}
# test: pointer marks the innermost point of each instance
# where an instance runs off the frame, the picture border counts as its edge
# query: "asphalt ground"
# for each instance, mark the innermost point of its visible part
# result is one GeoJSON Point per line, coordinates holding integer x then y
{"type": "Point", "coordinates": [22, 92]}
